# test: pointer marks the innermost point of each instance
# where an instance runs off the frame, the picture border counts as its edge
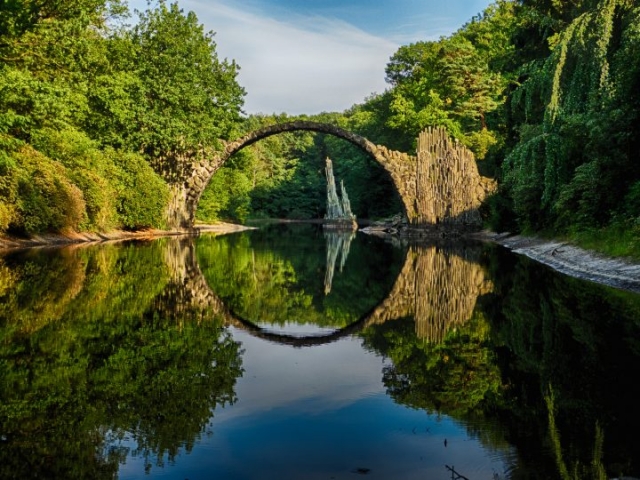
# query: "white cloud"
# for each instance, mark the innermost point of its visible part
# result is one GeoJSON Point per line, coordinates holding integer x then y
{"type": "Point", "coordinates": [304, 65]}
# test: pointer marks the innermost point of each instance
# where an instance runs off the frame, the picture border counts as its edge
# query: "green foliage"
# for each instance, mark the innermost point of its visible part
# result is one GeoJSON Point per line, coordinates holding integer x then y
{"type": "Point", "coordinates": [202, 99]}
{"type": "Point", "coordinates": [452, 82]}
{"type": "Point", "coordinates": [619, 239]}
{"type": "Point", "coordinates": [545, 91]}
{"type": "Point", "coordinates": [226, 197]}
{"type": "Point", "coordinates": [88, 168]}
{"type": "Point", "coordinates": [90, 98]}
{"type": "Point", "coordinates": [142, 194]}
{"type": "Point", "coordinates": [95, 346]}
{"type": "Point", "coordinates": [120, 189]}
{"type": "Point", "coordinates": [43, 198]}
{"type": "Point", "coordinates": [572, 168]}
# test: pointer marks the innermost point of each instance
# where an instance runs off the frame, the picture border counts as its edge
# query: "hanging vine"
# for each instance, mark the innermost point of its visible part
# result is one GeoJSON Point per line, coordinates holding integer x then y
{"type": "Point", "coordinates": [576, 88]}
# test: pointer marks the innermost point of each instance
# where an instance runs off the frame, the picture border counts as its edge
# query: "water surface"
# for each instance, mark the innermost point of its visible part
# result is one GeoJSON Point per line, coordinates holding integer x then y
{"type": "Point", "coordinates": [288, 352]}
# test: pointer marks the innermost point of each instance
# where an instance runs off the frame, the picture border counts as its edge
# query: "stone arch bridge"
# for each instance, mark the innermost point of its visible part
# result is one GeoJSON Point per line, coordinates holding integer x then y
{"type": "Point", "coordinates": [439, 185]}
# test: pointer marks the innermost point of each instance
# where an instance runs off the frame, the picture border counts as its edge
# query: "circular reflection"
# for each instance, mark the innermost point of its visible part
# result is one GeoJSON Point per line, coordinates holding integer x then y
{"type": "Point", "coordinates": [275, 283]}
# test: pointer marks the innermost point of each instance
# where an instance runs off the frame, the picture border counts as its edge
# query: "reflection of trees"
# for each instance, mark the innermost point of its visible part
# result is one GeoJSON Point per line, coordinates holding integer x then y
{"type": "Point", "coordinates": [274, 277]}
{"type": "Point", "coordinates": [455, 376]}
{"type": "Point", "coordinates": [545, 361]}
{"type": "Point", "coordinates": [570, 353]}
{"type": "Point", "coordinates": [104, 363]}
{"type": "Point", "coordinates": [36, 289]}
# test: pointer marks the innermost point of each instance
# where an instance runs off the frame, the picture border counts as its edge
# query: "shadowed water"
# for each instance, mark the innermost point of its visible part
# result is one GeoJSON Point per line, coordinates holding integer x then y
{"type": "Point", "coordinates": [288, 352]}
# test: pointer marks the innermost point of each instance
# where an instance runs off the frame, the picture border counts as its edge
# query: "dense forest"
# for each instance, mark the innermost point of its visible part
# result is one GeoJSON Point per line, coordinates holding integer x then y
{"type": "Point", "coordinates": [93, 133]}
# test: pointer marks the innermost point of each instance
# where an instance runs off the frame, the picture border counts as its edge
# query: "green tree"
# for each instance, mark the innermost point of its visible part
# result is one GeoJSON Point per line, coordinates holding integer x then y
{"type": "Point", "coordinates": [570, 167]}
{"type": "Point", "coordinates": [188, 98]}
{"type": "Point", "coordinates": [453, 82]}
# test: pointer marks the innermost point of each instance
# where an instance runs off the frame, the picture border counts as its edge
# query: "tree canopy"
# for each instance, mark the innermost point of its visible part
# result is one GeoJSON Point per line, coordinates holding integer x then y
{"type": "Point", "coordinates": [97, 117]}
{"type": "Point", "coordinates": [103, 115]}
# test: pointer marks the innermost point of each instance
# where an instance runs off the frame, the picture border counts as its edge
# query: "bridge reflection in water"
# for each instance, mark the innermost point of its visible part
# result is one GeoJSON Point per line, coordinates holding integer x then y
{"type": "Point", "coordinates": [438, 286]}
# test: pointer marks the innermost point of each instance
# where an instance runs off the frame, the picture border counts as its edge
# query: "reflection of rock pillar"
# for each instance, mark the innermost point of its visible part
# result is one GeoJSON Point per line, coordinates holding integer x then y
{"type": "Point", "coordinates": [447, 288]}
{"type": "Point", "coordinates": [439, 287]}
{"type": "Point", "coordinates": [337, 243]}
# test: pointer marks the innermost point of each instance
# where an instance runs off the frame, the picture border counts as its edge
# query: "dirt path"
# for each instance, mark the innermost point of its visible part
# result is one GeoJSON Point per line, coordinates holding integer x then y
{"type": "Point", "coordinates": [573, 260]}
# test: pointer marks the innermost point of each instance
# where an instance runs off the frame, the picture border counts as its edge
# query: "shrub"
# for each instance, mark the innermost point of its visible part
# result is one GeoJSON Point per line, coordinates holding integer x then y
{"type": "Point", "coordinates": [46, 200]}
{"type": "Point", "coordinates": [142, 195]}
{"type": "Point", "coordinates": [88, 168]}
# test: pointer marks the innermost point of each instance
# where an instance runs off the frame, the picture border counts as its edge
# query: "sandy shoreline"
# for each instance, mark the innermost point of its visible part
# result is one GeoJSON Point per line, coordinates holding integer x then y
{"type": "Point", "coordinates": [10, 243]}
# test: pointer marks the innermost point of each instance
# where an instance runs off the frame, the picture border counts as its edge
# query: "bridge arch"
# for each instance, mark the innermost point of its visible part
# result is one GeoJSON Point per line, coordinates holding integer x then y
{"type": "Point", "coordinates": [438, 285]}
{"type": "Point", "coordinates": [439, 187]}
{"type": "Point", "coordinates": [299, 125]}
{"type": "Point", "coordinates": [203, 172]}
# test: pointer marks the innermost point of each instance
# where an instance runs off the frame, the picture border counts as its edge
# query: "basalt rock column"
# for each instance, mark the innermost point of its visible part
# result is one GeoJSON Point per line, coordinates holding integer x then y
{"type": "Point", "coordinates": [449, 189]}
{"type": "Point", "coordinates": [339, 212]}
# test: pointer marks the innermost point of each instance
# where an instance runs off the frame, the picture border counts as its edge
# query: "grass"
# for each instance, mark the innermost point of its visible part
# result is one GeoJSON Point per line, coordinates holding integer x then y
{"type": "Point", "coordinates": [614, 241]}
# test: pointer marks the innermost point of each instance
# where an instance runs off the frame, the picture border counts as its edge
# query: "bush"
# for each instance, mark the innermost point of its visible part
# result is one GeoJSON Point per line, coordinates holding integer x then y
{"type": "Point", "coordinates": [88, 168]}
{"type": "Point", "coordinates": [120, 189]}
{"type": "Point", "coordinates": [142, 195]}
{"type": "Point", "coordinates": [45, 200]}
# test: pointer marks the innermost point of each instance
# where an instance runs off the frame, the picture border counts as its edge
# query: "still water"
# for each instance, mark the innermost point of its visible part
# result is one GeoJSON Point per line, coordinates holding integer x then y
{"type": "Point", "coordinates": [289, 352]}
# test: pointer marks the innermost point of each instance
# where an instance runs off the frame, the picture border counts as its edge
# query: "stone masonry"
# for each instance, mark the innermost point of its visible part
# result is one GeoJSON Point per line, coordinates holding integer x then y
{"type": "Point", "coordinates": [440, 186]}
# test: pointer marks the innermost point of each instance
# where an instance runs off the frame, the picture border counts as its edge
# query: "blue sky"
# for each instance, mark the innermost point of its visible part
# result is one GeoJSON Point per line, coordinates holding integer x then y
{"type": "Point", "coordinates": [309, 56]}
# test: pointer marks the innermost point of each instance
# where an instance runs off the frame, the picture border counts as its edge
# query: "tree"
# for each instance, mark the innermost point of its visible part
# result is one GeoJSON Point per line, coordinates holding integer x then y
{"type": "Point", "coordinates": [188, 97]}
{"type": "Point", "coordinates": [456, 82]}
{"type": "Point", "coordinates": [571, 167]}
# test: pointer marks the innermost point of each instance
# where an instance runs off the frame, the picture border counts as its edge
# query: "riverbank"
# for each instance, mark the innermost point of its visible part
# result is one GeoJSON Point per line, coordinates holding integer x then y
{"type": "Point", "coordinates": [71, 238]}
{"type": "Point", "coordinates": [561, 256]}
{"type": "Point", "coordinates": [572, 260]}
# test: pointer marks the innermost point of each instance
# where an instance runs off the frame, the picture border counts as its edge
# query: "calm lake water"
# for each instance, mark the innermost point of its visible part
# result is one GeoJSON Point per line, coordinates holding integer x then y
{"type": "Point", "coordinates": [288, 352]}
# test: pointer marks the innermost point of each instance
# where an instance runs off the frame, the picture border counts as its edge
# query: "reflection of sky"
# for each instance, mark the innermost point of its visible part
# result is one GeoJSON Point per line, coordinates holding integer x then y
{"type": "Point", "coordinates": [321, 412]}
{"type": "Point", "coordinates": [295, 329]}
